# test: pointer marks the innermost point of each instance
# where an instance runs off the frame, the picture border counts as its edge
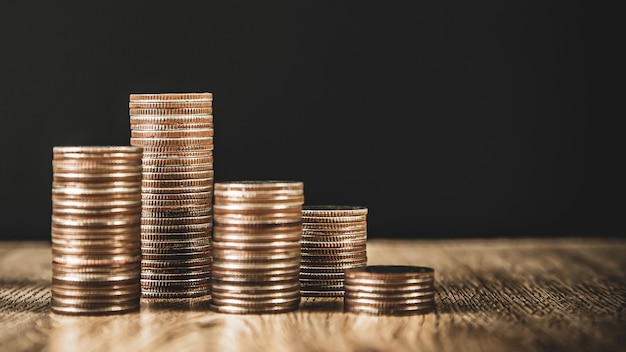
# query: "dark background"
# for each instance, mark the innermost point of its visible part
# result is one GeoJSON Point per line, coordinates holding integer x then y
{"type": "Point", "coordinates": [446, 119]}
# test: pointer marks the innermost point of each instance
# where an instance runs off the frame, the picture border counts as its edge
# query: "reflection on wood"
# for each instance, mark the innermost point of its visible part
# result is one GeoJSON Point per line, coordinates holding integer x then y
{"type": "Point", "coordinates": [492, 295]}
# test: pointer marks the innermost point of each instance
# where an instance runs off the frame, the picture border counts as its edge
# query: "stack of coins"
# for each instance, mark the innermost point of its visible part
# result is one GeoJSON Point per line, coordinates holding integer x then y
{"type": "Point", "coordinates": [96, 248]}
{"type": "Point", "coordinates": [333, 240]}
{"type": "Point", "coordinates": [390, 290]}
{"type": "Point", "coordinates": [256, 246]}
{"type": "Point", "coordinates": [176, 132]}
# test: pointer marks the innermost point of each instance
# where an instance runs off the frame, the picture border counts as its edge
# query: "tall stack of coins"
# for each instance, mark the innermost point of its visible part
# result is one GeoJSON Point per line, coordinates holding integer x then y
{"type": "Point", "coordinates": [390, 290]}
{"type": "Point", "coordinates": [333, 240]}
{"type": "Point", "coordinates": [176, 132]}
{"type": "Point", "coordinates": [96, 248]}
{"type": "Point", "coordinates": [256, 246]}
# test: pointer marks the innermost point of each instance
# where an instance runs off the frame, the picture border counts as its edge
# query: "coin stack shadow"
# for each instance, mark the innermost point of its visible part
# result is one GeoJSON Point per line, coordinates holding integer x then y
{"type": "Point", "coordinates": [176, 132]}
{"type": "Point", "coordinates": [96, 248]}
{"type": "Point", "coordinates": [333, 240]}
{"type": "Point", "coordinates": [256, 246]}
{"type": "Point", "coordinates": [390, 290]}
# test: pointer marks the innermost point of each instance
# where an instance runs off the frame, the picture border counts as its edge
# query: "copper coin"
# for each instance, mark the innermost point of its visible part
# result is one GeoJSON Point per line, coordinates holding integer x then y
{"type": "Point", "coordinates": [334, 219]}
{"type": "Point", "coordinates": [173, 121]}
{"type": "Point", "coordinates": [177, 161]}
{"type": "Point", "coordinates": [196, 182]}
{"type": "Point", "coordinates": [259, 185]}
{"type": "Point", "coordinates": [178, 168]}
{"type": "Point", "coordinates": [166, 97]}
{"type": "Point", "coordinates": [187, 133]}
{"type": "Point", "coordinates": [154, 125]}
{"type": "Point", "coordinates": [175, 263]}
{"type": "Point", "coordinates": [167, 112]}
{"type": "Point", "coordinates": [174, 104]}
{"type": "Point", "coordinates": [333, 210]}
{"type": "Point", "coordinates": [391, 272]}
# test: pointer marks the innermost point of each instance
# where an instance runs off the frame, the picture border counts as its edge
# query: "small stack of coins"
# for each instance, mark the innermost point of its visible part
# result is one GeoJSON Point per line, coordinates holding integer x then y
{"type": "Point", "coordinates": [96, 248]}
{"type": "Point", "coordinates": [256, 246]}
{"type": "Point", "coordinates": [390, 290]}
{"type": "Point", "coordinates": [176, 132]}
{"type": "Point", "coordinates": [333, 240]}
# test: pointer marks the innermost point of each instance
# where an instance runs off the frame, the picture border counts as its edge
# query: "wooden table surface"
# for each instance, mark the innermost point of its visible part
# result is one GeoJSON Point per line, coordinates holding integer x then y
{"type": "Point", "coordinates": [492, 295]}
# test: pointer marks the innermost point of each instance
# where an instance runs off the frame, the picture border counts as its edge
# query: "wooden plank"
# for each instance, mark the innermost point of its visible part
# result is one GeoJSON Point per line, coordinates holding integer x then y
{"type": "Point", "coordinates": [492, 295]}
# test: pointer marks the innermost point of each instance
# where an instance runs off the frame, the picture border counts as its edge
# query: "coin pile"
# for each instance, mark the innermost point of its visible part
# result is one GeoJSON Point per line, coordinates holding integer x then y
{"type": "Point", "coordinates": [389, 290]}
{"type": "Point", "coordinates": [333, 240]}
{"type": "Point", "coordinates": [95, 228]}
{"type": "Point", "coordinates": [176, 133]}
{"type": "Point", "coordinates": [256, 246]}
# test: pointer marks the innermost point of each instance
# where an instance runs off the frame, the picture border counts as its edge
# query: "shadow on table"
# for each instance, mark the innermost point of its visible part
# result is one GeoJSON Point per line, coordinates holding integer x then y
{"type": "Point", "coordinates": [309, 304]}
{"type": "Point", "coordinates": [322, 304]}
{"type": "Point", "coordinates": [176, 304]}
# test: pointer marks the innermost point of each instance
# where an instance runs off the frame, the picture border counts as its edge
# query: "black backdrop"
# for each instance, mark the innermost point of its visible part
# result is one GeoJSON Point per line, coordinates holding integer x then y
{"type": "Point", "coordinates": [445, 119]}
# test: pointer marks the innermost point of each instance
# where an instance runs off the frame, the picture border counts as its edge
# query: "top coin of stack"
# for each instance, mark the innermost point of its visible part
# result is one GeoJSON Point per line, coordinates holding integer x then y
{"type": "Point", "coordinates": [96, 249]}
{"type": "Point", "coordinates": [176, 132]}
{"type": "Point", "coordinates": [333, 240]}
{"type": "Point", "coordinates": [390, 290]}
{"type": "Point", "coordinates": [256, 247]}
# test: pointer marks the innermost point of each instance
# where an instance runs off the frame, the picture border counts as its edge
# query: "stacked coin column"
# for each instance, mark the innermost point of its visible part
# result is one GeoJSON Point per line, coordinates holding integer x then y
{"type": "Point", "coordinates": [333, 240]}
{"type": "Point", "coordinates": [390, 290]}
{"type": "Point", "coordinates": [176, 132]}
{"type": "Point", "coordinates": [256, 247]}
{"type": "Point", "coordinates": [96, 248]}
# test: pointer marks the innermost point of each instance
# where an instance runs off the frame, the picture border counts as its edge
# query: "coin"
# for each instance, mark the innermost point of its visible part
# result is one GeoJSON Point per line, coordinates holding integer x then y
{"type": "Point", "coordinates": [334, 220]}
{"type": "Point", "coordinates": [170, 121]}
{"type": "Point", "coordinates": [189, 175]}
{"type": "Point", "coordinates": [250, 279]}
{"type": "Point", "coordinates": [318, 293]}
{"type": "Point", "coordinates": [177, 160]}
{"type": "Point", "coordinates": [169, 104]}
{"type": "Point", "coordinates": [183, 143]}
{"type": "Point", "coordinates": [332, 211]}
{"type": "Point", "coordinates": [257, 188]}
{"type": "Point", "coordinates": [249, 246]}
{"type": "Point", "coordinates": [174, 154]}
{"type": "Point", "coordinates": [152, 125]}
{"type": "Point", "coordinates": [166, 112]}
{"type": "Point", "coordinates": [166, 97]}
{"type": "Point", "coordinates": [178, 168]}
{"type": "Point", "coordinates": [179, 133]}
{"type": "Point", "coordinates": [392, 272]}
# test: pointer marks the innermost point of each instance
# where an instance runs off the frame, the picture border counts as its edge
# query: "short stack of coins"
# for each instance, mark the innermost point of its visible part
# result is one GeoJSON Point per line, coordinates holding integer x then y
{"type": "Point", "coordinates": [176, 132]}
{"type": "Point", "coordinates": [256, 246]}
{"type": "Point", "coordinates": [95, 229]}
{"type": "Point", "coordinates": [333, 240]}
{"type": "Point", "coordinates": [390, 290]}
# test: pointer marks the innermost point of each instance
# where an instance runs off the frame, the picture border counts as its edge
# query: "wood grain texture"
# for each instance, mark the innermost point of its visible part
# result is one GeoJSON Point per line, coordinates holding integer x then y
{"type": "Point", "coordinates": [492, 295]}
